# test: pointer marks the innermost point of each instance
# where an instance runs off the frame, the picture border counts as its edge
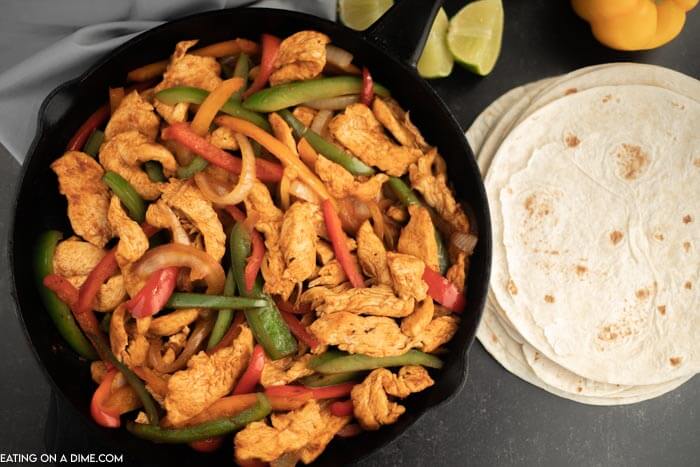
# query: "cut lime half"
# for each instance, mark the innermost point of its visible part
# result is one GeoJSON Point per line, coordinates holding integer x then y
{"type": "Point", "coordinates": [474, 35]}
{"type": "Point", "coordinates": [436, 61]}
{"type": "Point", "coordinates": [360, 14]}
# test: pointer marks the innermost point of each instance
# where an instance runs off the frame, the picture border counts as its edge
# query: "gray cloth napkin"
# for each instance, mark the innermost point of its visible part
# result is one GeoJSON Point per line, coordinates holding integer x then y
{"type": "Point", "coordinates": [63, 38]}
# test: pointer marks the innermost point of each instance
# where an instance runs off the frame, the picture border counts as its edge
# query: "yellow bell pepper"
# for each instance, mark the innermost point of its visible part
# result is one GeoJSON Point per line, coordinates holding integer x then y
{"type": "Point", "coordinates": [634, 24]}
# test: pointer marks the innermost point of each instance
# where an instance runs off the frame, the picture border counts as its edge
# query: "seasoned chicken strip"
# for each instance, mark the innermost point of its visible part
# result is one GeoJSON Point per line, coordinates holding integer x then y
{"type": "Point", "coordinates": [331, 274]}
{"type": "Point", "coordinates": [131, 350]}
{"type": "Point", "coordinates": [370, 399]}
{"type": "Point", "coordinates": [415, 323]}
{"type": "Point", "coordinates": [372, 255]}
{"type": "Point", "coordinates": [404, 119]}
{"type": "Point", "coordinates": [133, 113]}
{"type": "Point", "coordinates": [74, 257]}
{"type": "Point", "coordinates": [418, 237]}
{"type": "Point", "coordinates": [80, 180]}
{"type": "Point", "coordinates": [298, 245]}
{"type": "Point", "coordinates": [304, 114]}
{"type": "Point", "coordinates": [358, 130]}
{"type": "Point", "coordinates": [186, 70]}
{"type": "Point", "coordinates": [407, 276]}
{"type": "Point", "coordinates": [428, 175]}
{"type": "Point", "coordinates": [376, 336]}
{"type": "Point", "coordinates": [301, 56]}
{"type": "Point", "coordinates": [173, 322]}
{"type": "Point", "coordinates": [160, 215]}
{"type": "Point", "coordinates": [111, 293]}
{"type": "Point", "coordinates": [207, 378]}
{"type": "Point", "coordinates": [331, 425]}
{"type": "Point", "coordinates": [223, 138]}
{"type": "Point", "coordinates": [342, 184]}
{"type": "Point", "coordinates": [133, 243]}
{"type": "Point", "coordinates": [285, 370]}
{"type": "Point", "coordinates": [378, 301]}
{"type": "Point", "coordinates": [186, 199]}
{"type": "Point", "coordinates": [438, 332]}
{"type": "Point", "coordinates": [390, 121]}
{"type": "Point", "coordinates": [126, 152]}
{"type": "Point", "coordinates": [457, 273]}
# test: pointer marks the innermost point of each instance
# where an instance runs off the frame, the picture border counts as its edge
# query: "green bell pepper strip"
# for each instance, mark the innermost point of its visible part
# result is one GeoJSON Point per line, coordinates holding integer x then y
{"type": "Point", "coordinates": [224, 316]}
{"type": "Point", "coordinates": [200, 300]}
{"type": "Point", "coordinates": [196, 165]}
{"type": "Point", "coordinates": [92, 146]}
{"type": "Point", "coordinates": [291, 94]}
{"type": "Point", "coordinates": [407, 197]}
{"type": "Point", "coordinates": [266, 323]}
{"type": "Point", "coordinates": [126, 193]}
{"type": "Point", "coordinates": [319, 380]}
{"type": "Point", "coordinates": [327, 149]}
{"type": "Point", "coordinates": [242, 70]}
{"type": "Point", "coordinates": [154, 171]}
{"type": "Point", "coordinates": [172, 96]}
{"type": "Point", "coordinates": [58, 311]}
{"type": "Point", "coordinates": [106, 322]}
{"type": "Point", "coordinates": [357, 362]}
{"type": "Point", "coordinates": [222, 426]}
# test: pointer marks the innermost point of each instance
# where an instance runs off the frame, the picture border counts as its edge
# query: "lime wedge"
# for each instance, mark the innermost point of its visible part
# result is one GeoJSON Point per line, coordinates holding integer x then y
{"type": "Point", "coordinates": [360, 14]}
{"type": "Point", "coordinates": [474, 35]}
{"type": "Point", "coordinates": [436, 60]}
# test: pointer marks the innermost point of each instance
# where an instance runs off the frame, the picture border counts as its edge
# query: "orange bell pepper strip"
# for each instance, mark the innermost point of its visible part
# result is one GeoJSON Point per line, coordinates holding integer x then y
{"type": "Point", "coordinates": [212, 103]}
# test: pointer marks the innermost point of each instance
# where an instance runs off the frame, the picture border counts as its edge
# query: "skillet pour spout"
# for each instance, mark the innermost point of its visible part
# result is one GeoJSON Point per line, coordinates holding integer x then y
{"type": "Point", "coordinates": [390, 50]}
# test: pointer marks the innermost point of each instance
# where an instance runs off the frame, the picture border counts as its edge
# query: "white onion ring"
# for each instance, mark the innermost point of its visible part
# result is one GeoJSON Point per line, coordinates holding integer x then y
{"type": "Point", "coordinates": [464, 242]}
{"type": "Point", "coordinates": [302, 191]}
{"type": "Point", "coordinates": [333, 103]}
{"type": "Point", "coordinates": [337, 56]}
{"type": "Point", "coordinates": [320, 120]}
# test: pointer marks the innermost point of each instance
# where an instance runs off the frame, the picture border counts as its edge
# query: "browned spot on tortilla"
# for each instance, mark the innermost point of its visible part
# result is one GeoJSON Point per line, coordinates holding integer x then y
{"type": "Point", "coordinates": [579, 389]}
{"type": "Point", "coordinates": [686, 246]}
{"type": "Point", "coordinates": [580, 269]}
{"type": "Point", "coordinates": [631, 161]}
{"type": "Point", "coordinates": [687, 219]}
{"type": "Point", "coordinates": [549, 298]}
{"type": "Point", "coordinates": [688, 285]}
{"type": "Point", "coordinates": [512, 288]}
{"type": "Point", "coordinates": [642, 294]}
{"type": "Point", "coordinates": [659, 236]}
{"type": "Point", "coordinates": [534, 208]}
{"type": "Point", "coordinates": [607, 97]}
{"type": "Point", "coordinates": [572, 141]}
{"type": "Point", "coordinates": [570, 91]}
{"type": "Point", "coordinates": [662, 309]}
{"type": "Point", "coordinates": [675, 361]}
{"type": "Point", "coordinates": [616, 236]}
{"type": "Point", "coordinates": [696, 162]}
{"type": "Point", "coordinates": [678, 105]}
{"type": "Point", "coordinates": [537, 356]}
{"type": "Point", "coordinates": [494, 339]}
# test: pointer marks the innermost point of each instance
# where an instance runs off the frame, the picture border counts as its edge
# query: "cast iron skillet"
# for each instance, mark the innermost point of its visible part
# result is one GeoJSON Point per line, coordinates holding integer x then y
{"type": "Point", "coordinates": [390, 49]}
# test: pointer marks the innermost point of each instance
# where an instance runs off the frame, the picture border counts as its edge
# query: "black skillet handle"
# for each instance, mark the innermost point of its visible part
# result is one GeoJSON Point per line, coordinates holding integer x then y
{"type": "Point", "coordinates": [404, 28]}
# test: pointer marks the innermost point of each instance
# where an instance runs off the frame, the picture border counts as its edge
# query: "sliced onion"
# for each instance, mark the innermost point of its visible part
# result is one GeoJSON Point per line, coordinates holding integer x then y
{"type": "Point", "coordinates": [302, 191]}
{"type": "Point", "coordinates": [333, 103]}
{"type": "Point", "coordinates": [201, 264]}
{"type": "Point", "coordinates": [179, 234]}
{"type": "Point", "coordinates": [194, 343]}
{"type": "Point", "coordinates": [246, 179]}
{"type": "Point", "coordinates": [464, 242]}
{"type": "Point", "coordinates": [337, 56]}
{"type": "Point", "coordinates": [284, 190]}
{"type": "Point", "coordinates": [320, 120]}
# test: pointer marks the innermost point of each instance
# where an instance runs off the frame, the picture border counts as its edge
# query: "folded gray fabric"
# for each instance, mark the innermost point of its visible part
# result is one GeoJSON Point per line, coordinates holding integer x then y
{"type": "Point", "coordinates": [62, 39]}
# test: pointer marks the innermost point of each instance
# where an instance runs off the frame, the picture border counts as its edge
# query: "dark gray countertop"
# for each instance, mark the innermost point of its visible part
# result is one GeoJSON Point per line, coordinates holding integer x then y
{"type": "Point", "coordinates": [497, 419]}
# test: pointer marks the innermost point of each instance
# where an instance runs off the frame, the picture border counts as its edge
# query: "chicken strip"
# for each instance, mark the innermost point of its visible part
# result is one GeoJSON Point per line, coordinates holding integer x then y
{"type": "Point", "coordinates": [407, 276]}
{"type": "Point", "coordinates": [111, 293]}
{"type": "Point", "coordinates": [186, 70]}
{"type": "Point", "coordinates": [74, 257]}
{"type": "Point", "coordinates": [173, 322]}
{"type": "Point", "coordinates": [428, 176]}
{"type": "Point", "coordinates": [131, 350]}
{"type": "Point", "coordinates": [223, 138]}
{"type": "Point", "coordinates": [80, 181]}
{"type": "Point", "coordinates": [378, 301]}
{"type": "Point", "coordinates": [207, 378]}
{"type": "Point", "coordinates": [376, 336]}
{"type": "Point", "coordinates": [301, 56]}
{"type": "Point", "coordinates": [298, 245]}
{"type": "Point", "coordinates": [160, 215]}
{"type": "Point", "coordinates": [186, 199]}
{"type": "Point", "coordinates": [126, 152]}
{"type": "Point", "coordinates": [285, 370]}
{"type": "Point", "coordinates": [372, 255]}
{"type": "Point", "coordinates": [438, 332]}
{"type": "Point", "coordinates": [304, 114]}
{"type": "Point", "coordinates": [331, 425]}
{"type": "Point", "coordinates": [342, 184]}
{"type": "Point", "coordinates": [331, 274]}
{"type": "Point", "coordinates": [390, 121]}
{"type": "Point", "coordinates": [358, 130]}
{"type": "Point", "coordinates": [133, 243]}
{"type": "Point", "coordinates": [415, 323]}
{"type": "Point", "coordinates": [457, 273]}
{"type": "Point", "coordinates": [133, 113]}
{"type": "Point", "coordinates": [370, 399]}
{"type": "Point", "coordinates": [418, 237]}
{"type": "Point", "coordinates": [404, 120]}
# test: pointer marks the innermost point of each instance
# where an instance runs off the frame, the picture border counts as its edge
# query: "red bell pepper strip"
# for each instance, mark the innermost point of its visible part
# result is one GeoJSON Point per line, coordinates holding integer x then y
{"type": "Point", "coordinates": [287, 307]}
{"type": "Point", "coordinates": [270, 48]}
{"type": "Point", "coordinates": [102, 416]}
{"type": "Point", "coordinates": [230, 334]}
{"type": "Point", "coordinates": [65, 291]}
{"type": "Point", "coordinates": [252, 265]}
{"type": "Point", "coordinates": [342, 408]}
{"type": "Point", "coordinates": [334, 391]}
{"type": "Point", "coordinates": [265, 171]}
{"type": "Point", "coordinates": [340, 246]}
{"type": "Point", "coordinates": [443, 291]}
{"type": "Point", "coordinates": [155, 293]}
{"type": "Point", "coordinates": [98, 276]}
{"type": "Point", "coordinates": [302, 392]}
{"type": "Point", "coordinates": [367, 91]}
{"type": "Point", "coordinates": [207, 444]}
{"type": "Point", "coordinates": [94, 121]}
{"type": "Point", "coordinates": [235, 213]}
{"type": "Point", "coordinates": [299, 330]}
{"type": "Point", "coordinates": [251, 377]}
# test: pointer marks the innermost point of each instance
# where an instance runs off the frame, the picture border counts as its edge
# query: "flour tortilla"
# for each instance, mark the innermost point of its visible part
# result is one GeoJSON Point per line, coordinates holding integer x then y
{"type": "Point", "coordinates": [592, 333]}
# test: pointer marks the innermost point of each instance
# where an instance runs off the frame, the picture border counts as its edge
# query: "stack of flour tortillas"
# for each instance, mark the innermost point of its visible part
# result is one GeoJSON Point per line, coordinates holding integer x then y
{"type": "Point", "coordinates": [593, 180]}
